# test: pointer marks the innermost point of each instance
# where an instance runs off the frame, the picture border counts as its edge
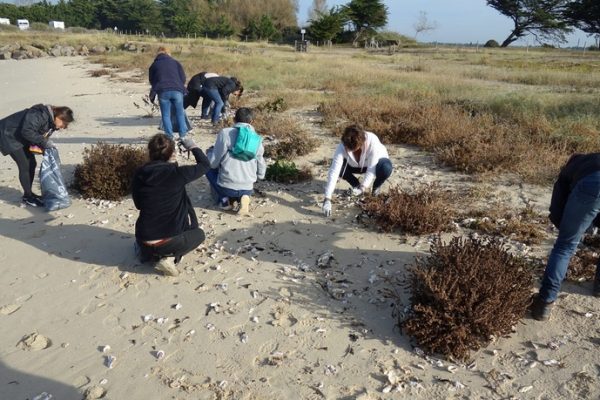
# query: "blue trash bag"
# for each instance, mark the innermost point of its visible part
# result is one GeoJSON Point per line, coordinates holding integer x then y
{"type": "Point", "coordinates": [54, 190]}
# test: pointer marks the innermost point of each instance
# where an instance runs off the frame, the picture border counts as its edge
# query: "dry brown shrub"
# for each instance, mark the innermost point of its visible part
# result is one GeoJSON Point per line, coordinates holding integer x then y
{"type": "Point", "coordinates": [525, 226]}
{"type": "Point", "coordinates": [427, 210]}
{"type": "Point", "coordinates": [100, 72]}
{"type": "Point", "coordinates": [583, 264]}
{"type": "Point", "coordinates": [107, 171]}
{"type": "Point", "coordinates": [284, 137]}
{"type": "Point", "coordinates": [466, 292]}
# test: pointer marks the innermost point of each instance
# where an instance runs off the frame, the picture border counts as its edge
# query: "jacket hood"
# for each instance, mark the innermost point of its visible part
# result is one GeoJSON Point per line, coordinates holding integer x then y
{"type": "Point", "coordinates": [155, 173]}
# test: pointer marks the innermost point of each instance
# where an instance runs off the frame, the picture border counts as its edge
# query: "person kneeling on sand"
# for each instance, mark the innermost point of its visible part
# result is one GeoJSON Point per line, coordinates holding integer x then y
{"type": "Point", "coordinates": [360, 152]}
{"type": "Point", "coordinates": [574, 207]}
{"type": "Point", "coordinates": [167, 227]}
{"type": "Point", "coordinates": [237, 162]}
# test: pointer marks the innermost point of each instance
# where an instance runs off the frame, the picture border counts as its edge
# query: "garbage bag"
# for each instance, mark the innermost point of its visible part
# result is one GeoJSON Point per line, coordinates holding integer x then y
{"type": "Point", "coordinates": [54, 190]}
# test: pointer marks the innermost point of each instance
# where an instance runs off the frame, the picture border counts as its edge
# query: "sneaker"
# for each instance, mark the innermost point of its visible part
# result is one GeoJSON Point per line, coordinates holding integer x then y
{"type": "Point", "coordinates": [244, 205]}
{"type": "Point", "coordinates": [33, 201]}
{"type": "Point", "coordinates": [596, 289]}
{"type": "Point", "coordinates": [166, 266]}
{"type": "Point", "coordinates": [224, 204]}
{"type": "Point", "coordinates": [540, 310]}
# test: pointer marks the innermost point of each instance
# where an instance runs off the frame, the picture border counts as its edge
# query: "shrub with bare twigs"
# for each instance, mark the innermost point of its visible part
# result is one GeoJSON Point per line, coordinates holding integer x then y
{"type": "Point", "coordinates": [466, 292]}
{"type": "Point", "coordinates": [107, 171]}
{"type": "Point", "coordinates": [427, 210]}
{"type": "Point", "coordinates": [284, 137]}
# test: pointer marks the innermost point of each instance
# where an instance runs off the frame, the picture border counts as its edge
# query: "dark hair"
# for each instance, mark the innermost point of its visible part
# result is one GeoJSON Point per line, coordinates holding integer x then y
{"type": "Point", "coordinates": [353, 137]}
{"type": "Point", "coordinates": [238, 85]}
{"type": "Point", "coordinates": [161, 147]}
{"type": "Point", "coordinates": [65, 114]}
{"type": "Point", "coordinates": [243, 114]}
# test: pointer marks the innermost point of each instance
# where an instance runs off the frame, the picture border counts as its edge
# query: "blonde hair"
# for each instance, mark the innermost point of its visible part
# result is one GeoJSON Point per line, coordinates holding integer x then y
{"type": "Point", "coordinates": [163, 50]}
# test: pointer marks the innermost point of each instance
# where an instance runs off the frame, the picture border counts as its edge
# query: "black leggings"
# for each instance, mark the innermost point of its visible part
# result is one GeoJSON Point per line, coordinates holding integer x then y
{"type": "Point", "coordinates": [177, 247]}
{"type": "Point", "coordinates": [26, 162]}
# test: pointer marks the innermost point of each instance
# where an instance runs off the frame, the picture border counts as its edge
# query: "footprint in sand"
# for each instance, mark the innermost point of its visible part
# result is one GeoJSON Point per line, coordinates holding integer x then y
{"type": "Point", "coordinates": [9, 309]}
{"type": "Point", "coordinates": [34, 342]}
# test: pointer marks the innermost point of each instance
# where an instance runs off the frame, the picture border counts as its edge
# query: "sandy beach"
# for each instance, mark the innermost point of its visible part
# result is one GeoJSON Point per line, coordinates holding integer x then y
{"type": "Point", "coordinates": [252, 316]}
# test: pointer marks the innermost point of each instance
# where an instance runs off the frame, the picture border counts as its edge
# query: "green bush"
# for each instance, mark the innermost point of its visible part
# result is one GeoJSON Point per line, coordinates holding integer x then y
{"type": "Point", "coordinates": [491, 43]}
{"type": "Point", "coordinates": [287, 172]}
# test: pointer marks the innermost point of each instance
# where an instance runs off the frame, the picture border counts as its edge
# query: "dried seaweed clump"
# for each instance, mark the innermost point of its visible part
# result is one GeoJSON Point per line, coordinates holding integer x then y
{"type": "Point", "coordinates": [466, 292]}
{"type": "Point", "coordinates": [107, 171]}
{"type": "Point", "coordinates": [287, 172]}
{"type": "Point", "coordinates": [284, 137]}
{"type": "Point", "coordinates": [526, 226]}
{"type": "Point", "coordinates": [582, 267]}
{"type": "Point", "coordinates": [427, 210]}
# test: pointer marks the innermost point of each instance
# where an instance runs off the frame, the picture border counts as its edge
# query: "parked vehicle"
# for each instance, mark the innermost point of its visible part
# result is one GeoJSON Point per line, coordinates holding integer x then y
{"type": "Point", "coordinates": [23, 24]}
{"type": "Point", "coordinates": [57, 24]}
{"type": "Point", "coordinates": [4, 21]}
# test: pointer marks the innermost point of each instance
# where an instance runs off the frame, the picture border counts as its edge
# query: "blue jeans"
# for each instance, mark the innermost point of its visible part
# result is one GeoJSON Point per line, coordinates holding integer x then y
{"type": "Point", "coordinates": [383, 170]}
{"type": "Point", "coordinates": [166, 100]}
{"type": "Point", "coordinates": [582, 207]}
{"type": "Point", "coordinates": [213, 176]}
{"type": "Point", "coordinates": [209, 96]}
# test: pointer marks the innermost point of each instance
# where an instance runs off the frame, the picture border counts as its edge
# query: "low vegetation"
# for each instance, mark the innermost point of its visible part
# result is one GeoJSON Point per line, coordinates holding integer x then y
{"type": "Point", "coordinates": [465, 293]}
{"type": "Point", "coordinates": [284, 136]}
{"type": "Point", "coordinates": [286, 172]}
{"type": "Point", "coordinates": [107, 171]}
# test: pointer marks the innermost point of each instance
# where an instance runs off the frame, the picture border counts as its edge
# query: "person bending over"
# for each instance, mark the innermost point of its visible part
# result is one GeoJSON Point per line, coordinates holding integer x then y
{"type": "Point", "coordinates": [28, 132]}
{"type": "Point", "coordinates": [194, 87]}
{"type": "Point", "coordinates": [217, 90]}
{"type": "Point", "coordinates": [167, 227]}
{"type": "Point", "coordinates": [232, 173]}
{"type": "Point", "coordinates": [574, 207]}
{"type": "Point", "coordinates": [360, 152]}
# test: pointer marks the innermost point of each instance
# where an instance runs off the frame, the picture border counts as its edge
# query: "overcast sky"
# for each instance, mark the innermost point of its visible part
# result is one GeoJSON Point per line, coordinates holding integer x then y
{"type": "Point", "coordinates": [459, 21]}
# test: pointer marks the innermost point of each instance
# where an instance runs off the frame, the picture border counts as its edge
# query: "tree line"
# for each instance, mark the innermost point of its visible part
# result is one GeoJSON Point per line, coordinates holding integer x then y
{"type": "Point", "coordinates": [546, 20]}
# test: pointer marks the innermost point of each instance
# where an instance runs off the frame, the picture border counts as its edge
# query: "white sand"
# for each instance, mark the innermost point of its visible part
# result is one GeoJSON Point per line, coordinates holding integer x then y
{"type": "Point", "coordinates": [71, 277]}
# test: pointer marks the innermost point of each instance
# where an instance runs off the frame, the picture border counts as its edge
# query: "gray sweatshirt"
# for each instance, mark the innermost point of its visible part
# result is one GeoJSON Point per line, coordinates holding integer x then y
{"type": "Point", "coordinates": [233, 173]}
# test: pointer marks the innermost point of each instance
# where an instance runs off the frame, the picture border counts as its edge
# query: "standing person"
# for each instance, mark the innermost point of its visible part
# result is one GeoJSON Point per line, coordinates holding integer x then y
{"type": "Point", "coordinates": [167, 227]}
{"type": "Point", "coordinates": [233, 175]}
{"type": "Point", "coordinates": [27, 132]}
{"type": "Point", "coordinates": [574, 206]}
{"type": "Point", "coordinates": [168, 82]}
{"type": "Point", "coordinates": [194, 87]}
{"type": "Point", "coordinates": [217, 90]}
{"type": "Point", "coordinates": [360, 152]}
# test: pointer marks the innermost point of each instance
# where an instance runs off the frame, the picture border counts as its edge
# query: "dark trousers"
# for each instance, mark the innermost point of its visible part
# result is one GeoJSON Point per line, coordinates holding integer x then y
{"type": "Point", "coordinates": [177, 246]}
{"type": "Point", "coordinates": [26, 163]}
{"type": "Point", "coordinates": [383, 170]}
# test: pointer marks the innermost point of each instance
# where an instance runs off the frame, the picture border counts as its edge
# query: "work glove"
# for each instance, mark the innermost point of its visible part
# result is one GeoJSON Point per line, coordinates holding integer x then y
{"type": "Point", "coordinates": [357, 191]}
{"type": "Point", "coordinates": [188, 143]}
{"type": "Point", "coordinates": [327, 208]}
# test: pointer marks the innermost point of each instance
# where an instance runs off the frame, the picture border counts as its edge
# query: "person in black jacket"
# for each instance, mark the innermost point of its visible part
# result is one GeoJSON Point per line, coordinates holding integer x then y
{"type": "Point", "coordinates": [217, 90]}
{"type": "Point", "coordinates": [27, 132]}
{"type": "Point", "coordinates": [194, 87]}
{"type": "Point", "coordinates": [168, 82]}
{"type": "Point", "coordinates": [574, 206]}
{"type": "Point", "coordinates": [167, 225]}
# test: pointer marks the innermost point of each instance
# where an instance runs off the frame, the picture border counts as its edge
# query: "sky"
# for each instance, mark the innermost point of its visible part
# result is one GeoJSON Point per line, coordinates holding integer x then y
{"type": "Point", "coordinates": [458, 21]}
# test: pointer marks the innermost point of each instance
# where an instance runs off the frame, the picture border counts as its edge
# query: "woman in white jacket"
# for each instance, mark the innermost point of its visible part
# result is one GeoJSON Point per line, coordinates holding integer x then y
{"type": "Point", "coordinates": [360, 152]}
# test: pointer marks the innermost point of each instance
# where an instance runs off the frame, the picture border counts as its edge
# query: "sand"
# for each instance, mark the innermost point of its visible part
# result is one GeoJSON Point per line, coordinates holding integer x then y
{"type": "Point", "coordinates": [251, 316]}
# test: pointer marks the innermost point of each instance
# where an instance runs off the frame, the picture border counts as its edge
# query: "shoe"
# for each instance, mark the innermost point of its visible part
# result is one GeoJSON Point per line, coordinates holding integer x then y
{"type": "Point", "coordinates": [224, 204]}
{"type": "Point", "coordinates": [244, 205]}
{"type": "Point", "coordinates": [33, 201]}
{"type": "Point", "coordinates": [596, 289]}
{"type": "Point", "coordinates": [540, 310]}
{"type": "Point", "coordinates": [166, 266]}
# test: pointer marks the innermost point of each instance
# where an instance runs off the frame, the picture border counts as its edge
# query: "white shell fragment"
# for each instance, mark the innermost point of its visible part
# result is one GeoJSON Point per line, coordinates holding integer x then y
{"type": "Point", "coordinates": [452, 368]}
{"type": "Point", "coordinates": [210, 327]}
{"type": "Point", "coordinates": [160, 354]}
{"type": "Point", "coordinates": [43, 396]}
{"type": "Point", "coordinates": [147, 317]}
{"type": "Point", "coordinates": [244, 337]}
{"type": "Point", "coordinates": [105, 349]}
{"type": "Point", "coordinates": [177, 306]}
{"type": "Point", "coordinates": [550, 363]}
{"type": "Point", "coordinates": [525, 389]}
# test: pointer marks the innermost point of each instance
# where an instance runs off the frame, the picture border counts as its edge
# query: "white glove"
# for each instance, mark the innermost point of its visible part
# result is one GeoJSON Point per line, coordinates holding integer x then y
{"type": "Point", "coordinates": [188, 143]}
{"type": "Point", "coordinates": [327, 208]}
{"type": "Point", "coordinates": [357, 191]}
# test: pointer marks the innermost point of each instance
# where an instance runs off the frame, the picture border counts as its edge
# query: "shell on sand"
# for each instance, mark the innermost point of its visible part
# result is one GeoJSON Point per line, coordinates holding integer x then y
{"type": "Point", "coordinates": [94, 392]}
{"type": "Point", "coordinates": [34, 342]}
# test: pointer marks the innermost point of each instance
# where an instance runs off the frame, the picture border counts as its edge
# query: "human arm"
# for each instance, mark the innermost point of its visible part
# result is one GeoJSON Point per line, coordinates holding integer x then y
{"type": "Point", "coordinates": [261, 166]}
{"type": "Point", "coordinates": [334, 171]}
{"type": "Point", "coordinates": [181, 73]}
{"type": "Point", "coordinates": [190, 173]}
{"type": "Point", "coordinates": [226, 90]}
{"type": "Point", "coordinates": [219, 150]}
{"type": "Point", "coordinates": [35, 124]}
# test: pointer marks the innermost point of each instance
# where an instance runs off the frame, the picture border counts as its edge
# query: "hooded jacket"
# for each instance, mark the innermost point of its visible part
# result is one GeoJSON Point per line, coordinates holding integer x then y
{"type": "Point", "coordinates": [194, 87]}
{"type": "Point", "coordinates": [165, 74]}
{"type": "Point", "coordinates": [372, 151]}
{"type": "Point", "coordinates": [233, 173]}
{"type": "Point", "coordinates": [223, 84]}
{"type": "Point", "coordinates": [25, 128]}
{"type": "Point", "coordinates": [158, 191]}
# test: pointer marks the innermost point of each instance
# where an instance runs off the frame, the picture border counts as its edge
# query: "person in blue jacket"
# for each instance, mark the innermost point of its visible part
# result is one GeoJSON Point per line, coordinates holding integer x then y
{"type": "Point", "coordinates": [168, 83]}
{"type": "Point", "coordinates": [26, 133]}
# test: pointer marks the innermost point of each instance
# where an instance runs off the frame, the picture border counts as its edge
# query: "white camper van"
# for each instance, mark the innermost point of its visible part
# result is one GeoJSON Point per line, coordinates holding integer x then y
{"type": "Point", "coordinates": [4, 21]}
{"type": "Point", "coordinates": [23, 24]}
{"type": "Point", "coordinates": [57, 24]}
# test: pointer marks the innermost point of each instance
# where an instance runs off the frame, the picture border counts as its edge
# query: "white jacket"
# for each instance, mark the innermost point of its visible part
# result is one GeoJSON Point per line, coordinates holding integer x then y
{"type": "Point", "coordinates": [372, 151]}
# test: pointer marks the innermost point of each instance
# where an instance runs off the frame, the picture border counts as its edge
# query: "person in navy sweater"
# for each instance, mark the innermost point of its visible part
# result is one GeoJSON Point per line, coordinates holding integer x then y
{"type": "Point", "coordinates": [168, 82]}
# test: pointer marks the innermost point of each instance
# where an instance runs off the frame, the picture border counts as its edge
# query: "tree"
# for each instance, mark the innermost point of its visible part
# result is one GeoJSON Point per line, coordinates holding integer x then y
{"type": "Point", "coordinates": [544, 19]}
{"type": "Point", "coordinates": [423, 24]}
{"type": "Point", "coordinates": [262, 29]}
{"type": "Point", "coordinates": [327, 25]}
{"type": "Point", "coordinates": [318, 8]}
{"type": "Point", "coordinates": [366, 16]}
{"type": "Point", "coordinates": [585, 14]}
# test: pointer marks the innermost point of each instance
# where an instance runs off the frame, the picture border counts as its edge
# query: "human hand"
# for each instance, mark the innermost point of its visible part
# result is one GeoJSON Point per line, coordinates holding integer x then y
{"type": "Point", "coordinates": [327, 208]}
{"type": "Point", "coordinates": [357, 191]}
{"type": "Point", "coordinates": [188, 143]}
